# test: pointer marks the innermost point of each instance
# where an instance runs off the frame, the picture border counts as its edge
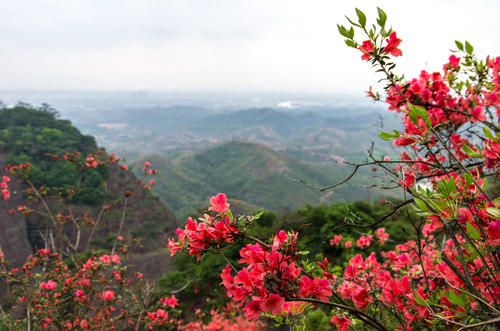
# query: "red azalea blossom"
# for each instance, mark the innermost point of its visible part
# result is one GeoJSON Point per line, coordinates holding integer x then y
{"type": "Point", "coordinates": [392, 45]}
{"type": "Point", "coordinates": [108, 295]}
{"type": "Point", "coordinates": [342, 323]}
{"type": "Point", "coordinates": [219, 203]}
{"type": "Point", "coordinates": [366, 47]}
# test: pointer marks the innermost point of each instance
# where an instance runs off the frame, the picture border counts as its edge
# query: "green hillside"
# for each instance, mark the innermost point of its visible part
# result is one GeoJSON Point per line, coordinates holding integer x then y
{"type": "Point", "coordinates": [250, 172]}
{"type": "Point", "coordinates": [28, 133]}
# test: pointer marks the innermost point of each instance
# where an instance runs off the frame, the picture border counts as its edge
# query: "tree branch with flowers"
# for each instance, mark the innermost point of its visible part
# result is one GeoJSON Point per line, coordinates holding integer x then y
{"type": "Point", "coordinates": [446, 276]}
{"type": "Point", "coordinates": [449, 276]}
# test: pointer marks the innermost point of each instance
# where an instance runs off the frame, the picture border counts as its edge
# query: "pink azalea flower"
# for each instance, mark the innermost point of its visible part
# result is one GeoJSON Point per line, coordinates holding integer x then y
{"type": "Point", "coordinates": [219, 203]}
{"type": "Point", "coordinates": [108, 295]}
{"type": "Point", "coordinates": [366, 47]}
{"type": "Point", "coordinates": [49, 285]}
{"type": "Point", "coordinates": [454, 61]}
{"type": "Point", "coordinates": [392, 45]}
{"type": "Point", "coordinates": [341, 322]}
{"type": "Point", "coordinates": [106, 259]}
{"type": "Point", "coordinates": [274, 304]}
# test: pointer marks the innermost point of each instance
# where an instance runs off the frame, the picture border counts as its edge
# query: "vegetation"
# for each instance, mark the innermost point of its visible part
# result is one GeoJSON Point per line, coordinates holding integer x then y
{"type": "Point", "coordinates": [428, 262]}
{"type": "Point", "coordinates": [29, 135]}
{"type": "Point", "coordinates": [253, 173]}
{"type": "Point", "coordinates": [317, 225]}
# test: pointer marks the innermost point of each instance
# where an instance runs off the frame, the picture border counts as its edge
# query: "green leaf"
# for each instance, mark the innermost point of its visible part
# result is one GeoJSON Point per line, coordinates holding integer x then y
{"type": "Point", "coordinates": [495, 212]}
{"type": "Point", "coordinates": [421, 112]}
{"type": "Point", "coordinates": [419, 300]}
{"type": "Point", "coordinates": [351, 43]}
{"type": "Point", "coordinates": [351, 32]}
{"type": "Point", "coordinates": [454, 298]}
{"type": "Point", "coordinates": [382, 17]}
{"type": "Point", "coordinates": [258, 215]}
{"type": "Point", "coordinates": [487, 133]}
{"type": "Point", "coordinates": [343, 30]}
{"type": "Point", "coordinates": [452, 185]}
{"type": "Point", "coordinates": [421, 204]}
{"type": "Point", "coordinates": [303, 252]}
{"type": "Point", "coordinates": [470, 151]}
{"type": "Point", "coordinates": [472, 232]}
{"type": "Point", "coordinates": [230, 215]}
{"type": "Point", "coordinates": [353, 23]}
{"type": "Point", "coordinates": [413, 117]}
{"type": "Point", "coordinates": [442, 188]}
{"type": "Point", "coordinates": [485, 184]}
{"type": "Point", "coordinates": [388, 136]}
{"type": "Point", "coordinates": [361, 17]}
{"type": "Point", "coordinates": [468, 48]}
{"type": "Point", "coordinates": [468, 179]}
{"type": "Point", "coordinates": [459, 45]}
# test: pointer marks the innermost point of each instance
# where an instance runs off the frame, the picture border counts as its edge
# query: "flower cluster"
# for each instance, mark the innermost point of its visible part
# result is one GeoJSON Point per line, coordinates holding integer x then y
{"type": "Point", "coordinates": [95, 295]}
{"type": "Point", "coordinates": [4, 188]}
{"type": "Point", "coordinates": [213, 231]}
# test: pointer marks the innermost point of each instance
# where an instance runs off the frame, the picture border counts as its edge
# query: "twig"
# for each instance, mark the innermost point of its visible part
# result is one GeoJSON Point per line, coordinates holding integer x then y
{"type": "Point", "coordinates": [470, 326]}
{"type": "Point", "coordinates": [380, 220]}
{"type": "Point", "coordinates": [366, 318]}
{"type": "Point", "coordinates": [124, 212]}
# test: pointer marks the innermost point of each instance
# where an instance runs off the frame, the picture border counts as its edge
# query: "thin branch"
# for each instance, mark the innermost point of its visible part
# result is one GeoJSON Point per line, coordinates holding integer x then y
{"type": "Point", "coordinates": [124, 212]}
{"type": "Point", "coordinates": [366, 318]}
{"type": "Point", "coordinates": [378, 221]}
{"type": "Point", "coordinates": [492, 321]}
{"type": "Point", "coordinates": [182, 288]}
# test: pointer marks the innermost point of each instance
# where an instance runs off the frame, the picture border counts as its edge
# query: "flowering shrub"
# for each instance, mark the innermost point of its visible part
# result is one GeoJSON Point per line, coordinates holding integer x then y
{"type": "Point", "coordinates": [445, 276]}
{"type": "Point", "coordinates": [4, 188]}
{"type": "Point", "coordinates": [61, 288]}
{"type": "Point", "coordinates": [448, 277]}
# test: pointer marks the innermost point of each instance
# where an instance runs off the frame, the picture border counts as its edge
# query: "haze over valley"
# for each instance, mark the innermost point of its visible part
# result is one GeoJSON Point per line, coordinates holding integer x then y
{"type": "Point", "coordinates": [256, 149]}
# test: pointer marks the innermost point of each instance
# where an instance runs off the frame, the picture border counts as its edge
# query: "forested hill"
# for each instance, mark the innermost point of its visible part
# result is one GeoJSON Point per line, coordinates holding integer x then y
{"type": "Point", "coordinates": [250, 172]}
{"type": "Point", "coordinates": [27, 134]}
{"type": "Point", "coordinates": [317, 134]}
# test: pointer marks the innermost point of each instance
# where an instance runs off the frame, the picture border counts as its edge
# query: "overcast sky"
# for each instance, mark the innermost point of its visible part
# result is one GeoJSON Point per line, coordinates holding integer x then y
{"type": "Point", "coordinates": [225, 45]}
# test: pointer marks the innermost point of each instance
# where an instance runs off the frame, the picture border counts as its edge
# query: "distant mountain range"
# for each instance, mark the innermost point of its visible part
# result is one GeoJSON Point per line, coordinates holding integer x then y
{"type": "Point", "coordinates": [317, 134]}
{"type": "Point", "coordinates": [250, 154]}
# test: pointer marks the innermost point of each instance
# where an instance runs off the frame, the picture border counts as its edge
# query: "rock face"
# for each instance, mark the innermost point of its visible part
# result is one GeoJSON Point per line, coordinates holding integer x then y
{"type": "Point", "coordinates": [146, 219]}
{"type": "Point", "coordinates": [13, 228]}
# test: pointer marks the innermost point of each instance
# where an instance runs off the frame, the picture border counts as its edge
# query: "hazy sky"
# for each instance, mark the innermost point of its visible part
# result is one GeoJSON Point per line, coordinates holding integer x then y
{"type": "Point", "coordinates": [225, 45]}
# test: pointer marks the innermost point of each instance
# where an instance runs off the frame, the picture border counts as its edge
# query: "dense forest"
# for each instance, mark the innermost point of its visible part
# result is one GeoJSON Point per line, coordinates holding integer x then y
{"type": "Point", "coordinates": [29, 135]}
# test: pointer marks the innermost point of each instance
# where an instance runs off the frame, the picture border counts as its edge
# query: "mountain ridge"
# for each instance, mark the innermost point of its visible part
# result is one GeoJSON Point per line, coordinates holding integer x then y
{"type": "Point", "coordinates": [247, 171]}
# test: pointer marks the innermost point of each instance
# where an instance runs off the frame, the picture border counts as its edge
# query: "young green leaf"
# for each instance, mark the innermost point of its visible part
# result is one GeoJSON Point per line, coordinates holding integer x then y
{"type": "Point", "coordinates": [454, 298]}
{"type": "Point", "coordinates": [229, 214]}
{"type": "Point", "coordinates": [421, 204]}
{"type": "Point", "coordinates": [351, 32]}
{"type": "Point", "coordinates": [468, 48]}
{"type": "Point", "coordinates": [351, 43]}
{"type": "Point", "coordinates": [470, 151]}
{"type": "Point", "coordinates": [361, 17]}
{"type": "Point", "coordinates": [382, 17]}
{"type": "Point", "coordinates": [459, 45]}
{"type": "Point", "coordinates": [494, 212]}
{"type": "Point", "coordinates": [472, 232]}
{"type": "Point", "coordinates": [388, 136]}
{"type": "Point", "coordinates": [485, 184]}
{"type": "Point", "coordinates": [343, 31]}
{"type": "Point", "coordinates": [420, 112]}
{"type": "Point", "coordinates": [419, 300]}
{"type": "Point", "coordinates": [487, 133]}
